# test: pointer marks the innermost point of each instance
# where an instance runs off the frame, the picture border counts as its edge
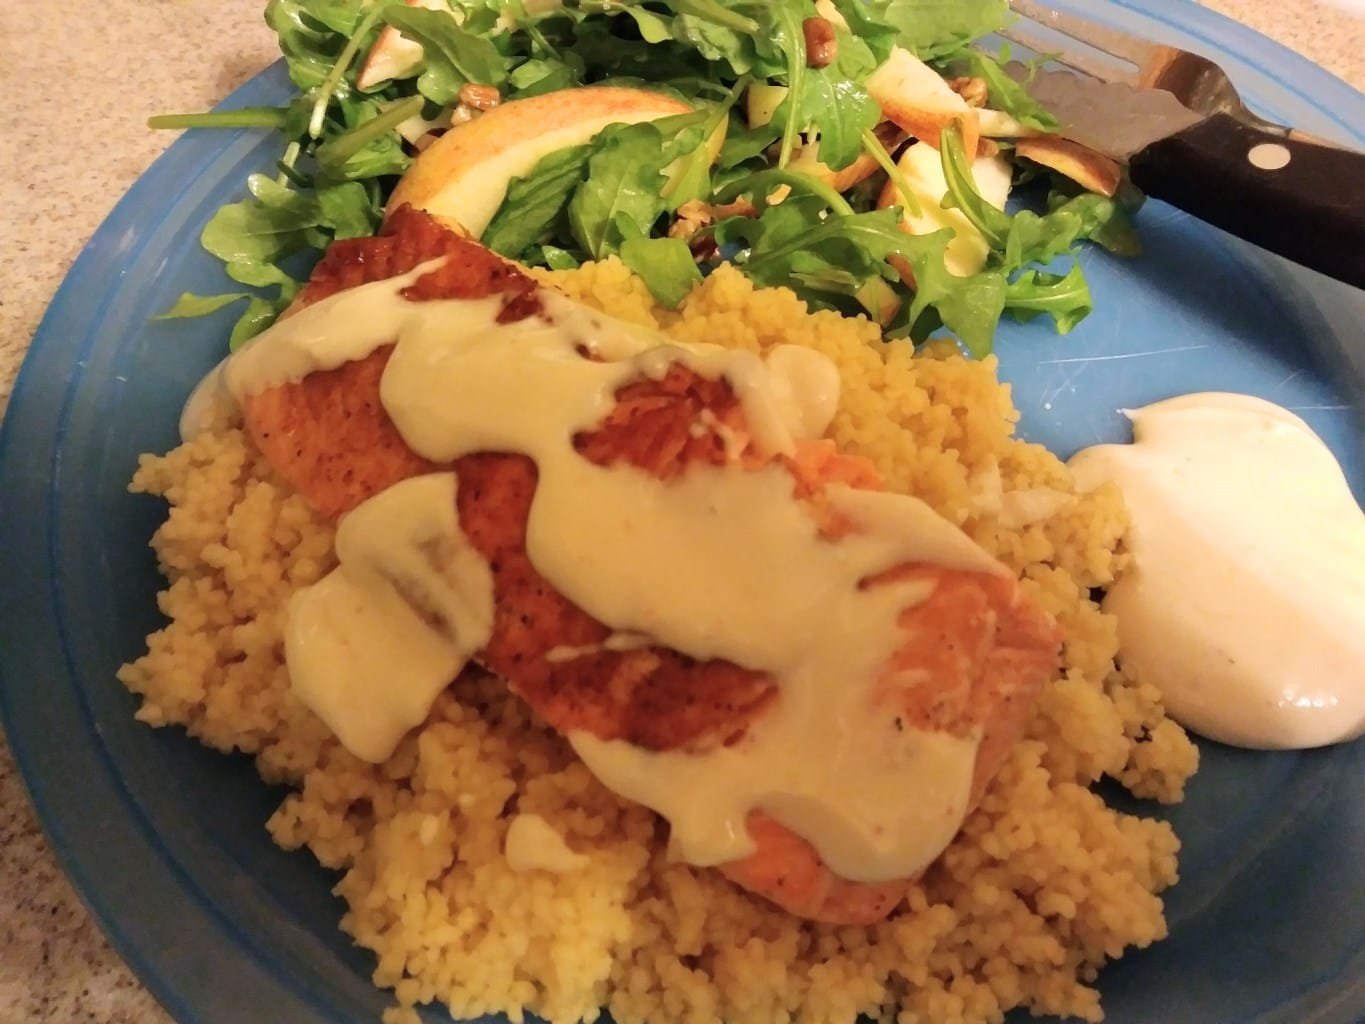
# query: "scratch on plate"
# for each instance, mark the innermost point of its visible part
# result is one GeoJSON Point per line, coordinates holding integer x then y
{"type": "Point", "coordinates": [1309, 408]}
{"type": "Point", "coordinates": [1293, 376]}
{"type": "Point", "coordinates": [1122, 355]}
{"type": "Point", "coordinates": [1069, 381]}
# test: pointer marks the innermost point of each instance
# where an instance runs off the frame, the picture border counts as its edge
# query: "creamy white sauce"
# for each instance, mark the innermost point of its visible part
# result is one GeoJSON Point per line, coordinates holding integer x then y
{"type": "Point", "coordinates": [371, 645]}
{"type": "Point", "coordinates": [877, 801]}
{"type": "Point", "coordinates": [715, 563]}
{"type": "Point", "coordinates": [205, 405]}
{"type": "Point", "coordinates": [532, 844]}
{"type": "Point", "coordinates": [1245, 604]}
{"type": "Point", "coordinates": [806, 389]}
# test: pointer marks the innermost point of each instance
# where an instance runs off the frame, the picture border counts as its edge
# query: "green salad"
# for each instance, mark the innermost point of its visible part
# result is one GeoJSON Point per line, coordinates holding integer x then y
{"type": "Point", "coordinates": [814, 152]}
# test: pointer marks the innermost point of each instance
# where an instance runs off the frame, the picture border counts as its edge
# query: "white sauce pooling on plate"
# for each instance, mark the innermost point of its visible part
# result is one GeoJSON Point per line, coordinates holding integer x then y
{"type": "Point", "coordinates": [1245, 604]}
{"type": "Point", "coordinates": [716, 563]}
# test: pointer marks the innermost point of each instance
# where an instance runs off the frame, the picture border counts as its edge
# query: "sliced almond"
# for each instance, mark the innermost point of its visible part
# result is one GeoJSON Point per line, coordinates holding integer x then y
{"type": "Point", "coordinates": [1085, 166]}
{"type": "Point", "coordinates": [996, 124]}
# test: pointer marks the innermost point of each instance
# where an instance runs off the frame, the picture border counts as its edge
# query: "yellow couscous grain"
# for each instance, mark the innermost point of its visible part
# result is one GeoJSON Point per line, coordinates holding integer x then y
{"type": "Point", "coordinates": [1042, 886]}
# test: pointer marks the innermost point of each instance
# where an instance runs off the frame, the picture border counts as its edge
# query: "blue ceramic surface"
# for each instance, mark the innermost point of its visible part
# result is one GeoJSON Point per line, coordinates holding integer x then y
{"type": "Point", "coordinates": [165, 839]}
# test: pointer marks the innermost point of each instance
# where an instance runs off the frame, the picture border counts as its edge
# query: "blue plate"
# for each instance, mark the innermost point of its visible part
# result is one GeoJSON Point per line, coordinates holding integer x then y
{"type": "Point", "coordinates": [165, 839]}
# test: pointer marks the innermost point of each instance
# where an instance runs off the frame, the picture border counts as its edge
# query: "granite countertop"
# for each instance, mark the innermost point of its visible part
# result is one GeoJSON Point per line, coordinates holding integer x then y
{"type": "Point", "coordinates": [79, 80]}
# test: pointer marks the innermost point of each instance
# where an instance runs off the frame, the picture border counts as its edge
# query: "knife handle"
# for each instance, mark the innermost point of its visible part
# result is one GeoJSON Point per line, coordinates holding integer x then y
{"type": "Point", "coordinates": [1303, 201]}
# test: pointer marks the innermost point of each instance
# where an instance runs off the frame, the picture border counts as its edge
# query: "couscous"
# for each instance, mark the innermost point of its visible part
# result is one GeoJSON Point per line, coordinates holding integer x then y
{"type": "Point", "coordinates": [1044, 883]}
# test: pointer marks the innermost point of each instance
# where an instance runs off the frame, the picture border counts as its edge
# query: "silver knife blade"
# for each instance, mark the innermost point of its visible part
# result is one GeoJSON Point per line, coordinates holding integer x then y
{"type": "Point", "coordinates": [1115, 118]}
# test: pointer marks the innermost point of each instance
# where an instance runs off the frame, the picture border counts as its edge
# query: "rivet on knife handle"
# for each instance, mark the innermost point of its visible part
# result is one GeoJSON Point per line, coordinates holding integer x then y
{"type": "Point", "coordinates": [1297, 199]}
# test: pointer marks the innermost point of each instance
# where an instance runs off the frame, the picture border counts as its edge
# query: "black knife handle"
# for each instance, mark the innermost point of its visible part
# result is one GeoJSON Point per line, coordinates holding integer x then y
{"type": "Point", "coordinates": [1311, 209]}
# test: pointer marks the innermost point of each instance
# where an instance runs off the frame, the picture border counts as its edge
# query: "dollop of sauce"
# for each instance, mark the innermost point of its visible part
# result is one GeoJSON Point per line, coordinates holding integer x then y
{"type": "Point", "coordinates": [532, 844]}
{"type": "Point", "coordinates": [1245, 603]}
{"type": "Point", "coordinates": [717, 562]}
{"type": "Point", "coordinates": [371, 645]}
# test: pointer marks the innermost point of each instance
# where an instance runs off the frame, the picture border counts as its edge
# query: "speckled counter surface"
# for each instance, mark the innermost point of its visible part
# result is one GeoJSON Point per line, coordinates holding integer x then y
{"type": "Point", "coordinates": [79, 80]}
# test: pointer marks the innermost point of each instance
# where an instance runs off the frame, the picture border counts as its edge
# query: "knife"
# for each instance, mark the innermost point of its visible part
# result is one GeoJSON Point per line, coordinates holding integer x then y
{"type": "Point", "coordinates": [1298, 196]}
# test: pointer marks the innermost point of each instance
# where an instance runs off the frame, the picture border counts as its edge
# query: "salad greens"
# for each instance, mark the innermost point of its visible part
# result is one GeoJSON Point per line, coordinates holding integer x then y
{"type": "Point", "coordinates": [670, 197]}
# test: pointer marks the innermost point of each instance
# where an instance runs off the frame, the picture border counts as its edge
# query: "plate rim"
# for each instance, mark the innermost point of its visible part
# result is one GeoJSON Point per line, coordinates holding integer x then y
{"type": "Point", "coordinates": [1330, 97]}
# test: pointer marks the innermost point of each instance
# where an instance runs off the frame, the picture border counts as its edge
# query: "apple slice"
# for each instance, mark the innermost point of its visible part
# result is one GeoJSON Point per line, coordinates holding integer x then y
{"type": "Point", "coordinates": [761, 101]}
{"type": "Point", "coordinates": [462, 178]}
{"type": "Point", "coordinates": [1083, 165]}
{"type": "Point", "coordinates": [923, 169]}
{"type": "Point", "coordinates": [393, 54]}
{"type": "Point", "coordinates": [916, 97]}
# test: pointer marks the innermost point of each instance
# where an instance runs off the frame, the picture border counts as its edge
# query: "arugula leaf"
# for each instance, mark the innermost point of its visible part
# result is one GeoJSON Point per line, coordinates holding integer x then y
{"type": "Point", "coordinates": [744, 143]}
{"type": "Point", "coordinates": [665, 265]}
{"type": "Point", "coordinates": [369, 146]}
{"type": "Point", "coordinates": [761, 184]}
{"type": "Point", "coordinates": [252, 236]}
{"type": "Point", "coordinates": [621, 197]}
{"type": "Point", "coordinates": [244, 117]}
{"type": "Point", "coordinates": [537, 76]}
{"type": "Point", "coordinates": [689, 174]}
{"type": "Point", "coordinates": [190, 305]}
{"type": "Point", "coordinates": [1103, 220]}
{"type": "Point", "coordinates": [1040, 239]}
{"type": "Point", "coordinates": [452, 54]}
{"type": "Point", "coordinates": [654, 28]}
{"type": "Point", "coordinates": [717, 42]}
{"type": "Point", "coordinates": [260, 314]}
{"type": "Point", "coordinates": [348, 210]}
{"type": "Point", "coordinates": [1064, 297]}
{"type": "Point", "coordinates": [840, 112]}
{"type": "Point", "coordinates": [606, 55]}
{"type": "Point", "coordinates": [624, 192]}
{"type": "Point", "coordinates": [341, 16]}
{"type": "Point", "coordinates": [609, 196]}
{"type": "Point", "coordinates": [829, 102]}
{"type": "Point", "coordinates": [534, 203]}
{"type": "Point", "coordinates": [936, 28]}
{"type": "Point", "coordinates": [879, 35]}
{"type": "Point", "coordinates": [332, 87]}
{"type": "Point", "coordinates": [717, 12]}
{"type": "Point", "coordinates": [1028, 237]}
{"type": "Point", "coordinates": [309, 44]}
{"type": "Point", "coordinates": [262, 275]}
{"type": "Point", "coordinates": [787, 34]}
{"type": "Point", "coordinates": [798, 231]}
{"type": "Point", "coordinates": [556, 258]}
{"type": "Point", "coordinates": [790, 245]}
{"type": "Point", "coordinates": [970, 307]}
{"type": "Point", "coordinates": [290, 205]}
{"type": "Point", "coordinates": [1005, 93]}
{"type": "Point", "coordinates": [993, 224]}
{"type": "Point", "coordinates": [251, 232]}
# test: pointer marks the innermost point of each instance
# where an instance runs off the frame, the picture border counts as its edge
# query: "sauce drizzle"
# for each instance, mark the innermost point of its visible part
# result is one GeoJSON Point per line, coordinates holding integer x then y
{"type": "Point", "coordinates": [716, 562]}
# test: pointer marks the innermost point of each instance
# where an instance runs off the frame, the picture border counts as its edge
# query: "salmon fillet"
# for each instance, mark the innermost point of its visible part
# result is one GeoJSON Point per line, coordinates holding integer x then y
{"type": "Point", "coordinates": [976, 652]}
